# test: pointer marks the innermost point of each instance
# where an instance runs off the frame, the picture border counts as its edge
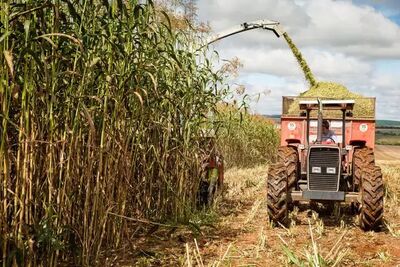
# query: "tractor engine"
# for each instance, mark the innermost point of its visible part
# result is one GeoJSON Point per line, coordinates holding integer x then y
{"type": "Point", "coordinates": [323, 168]}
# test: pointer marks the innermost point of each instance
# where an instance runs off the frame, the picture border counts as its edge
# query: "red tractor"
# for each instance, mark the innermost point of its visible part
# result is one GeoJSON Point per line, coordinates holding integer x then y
{"type": "Point", "coordinates": [312, 169]}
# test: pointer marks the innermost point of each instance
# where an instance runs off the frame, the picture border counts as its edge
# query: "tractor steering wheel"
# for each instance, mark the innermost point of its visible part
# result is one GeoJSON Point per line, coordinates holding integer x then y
{"type": "Point", "coordinates": [327, 138]}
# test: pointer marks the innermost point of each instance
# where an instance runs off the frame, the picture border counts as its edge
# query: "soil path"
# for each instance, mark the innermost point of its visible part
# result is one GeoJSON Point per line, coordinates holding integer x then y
{"type": "Point", "coordinates": [245, 238]}
{"type": "Point", "coordinates": [238, 233]}
{"type": "Point", "coordinates": [386, 152]}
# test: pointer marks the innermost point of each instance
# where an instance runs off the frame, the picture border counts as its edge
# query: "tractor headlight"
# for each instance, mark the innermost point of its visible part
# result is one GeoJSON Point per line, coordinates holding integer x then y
{"type": "Point", "coordinates": [331, 170]}
{"type": "Point", "coordinates": [316, 169]}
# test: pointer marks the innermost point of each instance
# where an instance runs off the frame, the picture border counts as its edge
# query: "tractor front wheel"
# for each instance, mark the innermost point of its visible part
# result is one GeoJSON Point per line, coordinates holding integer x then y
{"type": "Point", "coordinates": [372, 193]}
{"type": "Point", "coordinates": [277, 193]}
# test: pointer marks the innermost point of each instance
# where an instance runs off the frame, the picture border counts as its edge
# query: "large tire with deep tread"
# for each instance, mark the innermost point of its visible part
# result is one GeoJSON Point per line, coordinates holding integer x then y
{"type": "Point", "coordinates": [277, 193]}
{"type": "Point", "coordinates": [362, 158]}
{"type": "Point", "coordinates": [372, 193]}
{"type": "Point", "coordinates": [289, 157]}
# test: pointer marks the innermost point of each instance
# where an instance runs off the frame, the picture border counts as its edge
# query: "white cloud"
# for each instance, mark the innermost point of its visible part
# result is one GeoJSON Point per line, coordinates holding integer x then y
{"type": "Point", "coordinates": [331, 66]}
{"type": "Point", "coordinates": [388, 81]}
{"type": "Point", "coordinates": [275, 62]}
{"type": "Point", "coordinates": [227, 13]}
{"type": "Point", "coordinates": [281, 62]}
{"type": "Point", "coordinates": [338, 25]}
{"type": "Point", "coordinates": [344, 23]}
{"type": "Point", "coordinates": [340, 40]}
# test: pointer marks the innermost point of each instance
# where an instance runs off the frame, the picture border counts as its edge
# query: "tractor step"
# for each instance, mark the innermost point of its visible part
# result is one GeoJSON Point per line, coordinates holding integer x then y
{"type": "Point", "coordinates": [347, 197]}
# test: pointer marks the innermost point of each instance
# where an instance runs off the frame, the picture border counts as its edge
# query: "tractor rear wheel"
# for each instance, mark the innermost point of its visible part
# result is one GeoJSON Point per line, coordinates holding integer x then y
{"type": "Point", "coordinates": [362, 158]}
{"type": "Point", "coordinates": [289, 157]}
{"type": "Point", "coordinates": [372, 193]}
{"type": "Point", "coordinates": [277, 193]}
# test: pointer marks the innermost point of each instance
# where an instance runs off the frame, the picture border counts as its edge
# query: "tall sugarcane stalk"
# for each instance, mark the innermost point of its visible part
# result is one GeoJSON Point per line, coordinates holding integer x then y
{"type": "Point", "coordinates": [102, 103]}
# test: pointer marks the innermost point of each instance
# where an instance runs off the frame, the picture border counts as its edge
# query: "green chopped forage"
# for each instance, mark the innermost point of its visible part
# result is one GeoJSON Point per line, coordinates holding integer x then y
{"type": "Point", "coordinates": [363, 107]}
{"type": "Point", "coordinates": [302, 62]}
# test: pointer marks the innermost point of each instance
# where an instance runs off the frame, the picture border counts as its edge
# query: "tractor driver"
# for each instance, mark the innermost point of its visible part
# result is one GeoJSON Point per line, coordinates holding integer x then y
{"type": "Point", "coordinates": [328, 135]}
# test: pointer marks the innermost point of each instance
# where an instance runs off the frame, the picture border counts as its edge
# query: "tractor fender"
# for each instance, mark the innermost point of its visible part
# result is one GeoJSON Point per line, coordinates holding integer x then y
{"type": "Point", "coordinates": [292, 142]}
{"type": "Point", "coordinates": [358, 143]}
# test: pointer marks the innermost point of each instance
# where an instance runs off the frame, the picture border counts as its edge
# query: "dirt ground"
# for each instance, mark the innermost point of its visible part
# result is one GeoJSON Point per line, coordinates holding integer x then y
{"type": "Point", "coordinates": [238, 232]}
{"type": "Point", "coordinates": [386, 152]}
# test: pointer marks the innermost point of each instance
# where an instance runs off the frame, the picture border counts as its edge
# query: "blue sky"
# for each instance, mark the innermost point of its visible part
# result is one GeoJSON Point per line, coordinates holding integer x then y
{"type": "Point", "coordinates": [356, 43]}
{"type": "Point", "coordinates": [390, 8]}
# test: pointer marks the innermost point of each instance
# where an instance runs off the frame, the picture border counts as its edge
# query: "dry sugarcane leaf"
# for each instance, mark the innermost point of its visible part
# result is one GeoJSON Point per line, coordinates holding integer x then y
{"type": "Point", "coordinates": [9, 59]}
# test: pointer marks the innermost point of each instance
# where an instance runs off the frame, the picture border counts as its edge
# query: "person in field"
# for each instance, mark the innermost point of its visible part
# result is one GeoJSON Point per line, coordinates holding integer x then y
{"type": "Point", "coordinates": [328, 135]}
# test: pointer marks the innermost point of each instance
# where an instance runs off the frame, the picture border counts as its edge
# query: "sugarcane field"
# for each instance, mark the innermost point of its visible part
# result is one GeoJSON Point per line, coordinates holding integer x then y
{"type": "Point", "coordinates": [199, 133]}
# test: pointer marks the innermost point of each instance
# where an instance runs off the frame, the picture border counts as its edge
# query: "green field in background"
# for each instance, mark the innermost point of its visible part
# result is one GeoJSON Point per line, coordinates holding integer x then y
{"type": "Point", "coordinates": [387, 136]}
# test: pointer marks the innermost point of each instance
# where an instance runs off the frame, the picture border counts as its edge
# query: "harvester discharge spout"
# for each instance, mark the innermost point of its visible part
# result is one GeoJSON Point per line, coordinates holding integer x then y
{"type": "Point", "coordinates": [265, 24]}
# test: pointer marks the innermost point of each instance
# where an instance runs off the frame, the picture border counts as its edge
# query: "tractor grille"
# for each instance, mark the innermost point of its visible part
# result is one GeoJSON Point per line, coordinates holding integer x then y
{"type": "Point", "coordinates": [325, 158]}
